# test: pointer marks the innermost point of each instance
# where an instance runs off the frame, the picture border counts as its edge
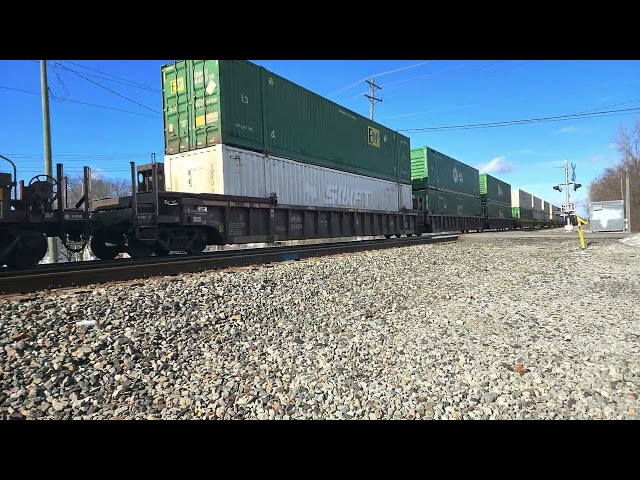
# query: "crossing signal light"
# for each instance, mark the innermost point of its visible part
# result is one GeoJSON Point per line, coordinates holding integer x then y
{"type": "Point", "coordinates": [576, 186]}
{"type": "Point", "coordinates": [558, 187]}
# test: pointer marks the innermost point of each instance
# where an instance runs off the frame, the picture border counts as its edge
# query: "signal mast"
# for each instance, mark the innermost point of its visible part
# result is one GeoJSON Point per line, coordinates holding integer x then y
{"type": "Point", "coordinates": [568, 209]}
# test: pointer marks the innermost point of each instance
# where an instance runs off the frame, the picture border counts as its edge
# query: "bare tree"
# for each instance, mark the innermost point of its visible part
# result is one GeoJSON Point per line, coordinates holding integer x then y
{"type": "Point", "coordinates": [608, 185]}
{"type": "Point", "coordinates": [100, 188]}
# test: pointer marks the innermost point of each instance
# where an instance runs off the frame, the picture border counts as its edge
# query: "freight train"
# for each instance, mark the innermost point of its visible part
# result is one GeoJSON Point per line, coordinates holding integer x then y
{"type": "Point", "coordinates": [252, 157]}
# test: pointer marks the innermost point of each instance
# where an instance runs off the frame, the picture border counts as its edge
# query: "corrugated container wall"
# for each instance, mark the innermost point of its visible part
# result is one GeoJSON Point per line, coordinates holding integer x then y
{"type": "Point", "coordinates": [539, 216]}
{"type": "Point", "coordinates": [498, 210]}
{"type": "Point", "coordinates": [432, 169]}
{"type": "Point", "coordinates": [547, 207]}
{"type": "Point", "coordinates": [237, 103]}
{"type": "Point", "coordinates": [445, 203]}
{"type": "Point", "coordinates": [536, 204]}
{"type": "Point", "coordinates": [227, 170]}
{"type": "Point", "coordinates": [522, 213]}
{"type": "Point", "coordinates": [317, 130]}
{"type": "Point", "coordinates": [494, 190]}
{"type": "Point", "coordinates": [520, 198]}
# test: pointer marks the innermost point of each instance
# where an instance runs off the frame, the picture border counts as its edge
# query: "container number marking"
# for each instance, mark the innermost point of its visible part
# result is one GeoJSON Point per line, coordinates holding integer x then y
{"type": "Point", "coordinates": [374, 137]}
{"type": "Point", "coordinates": [177, 85]}
{"type": "Point", "coordinates": [244, 99]}
{"type": "Point", "coordinates": [457, 176]}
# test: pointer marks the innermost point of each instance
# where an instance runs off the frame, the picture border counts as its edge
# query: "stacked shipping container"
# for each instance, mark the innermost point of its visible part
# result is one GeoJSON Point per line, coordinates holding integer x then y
{"type": "Point", "coordinates": [537, 205]}
{"type": "Point", "coordinates": [447, 186]}
{"type": "Point", "coordinates": [496, 197]}
{"type": "Point", "coordinates": [248, 131]}
{"type": "Point", "coordinates": [521, 204]}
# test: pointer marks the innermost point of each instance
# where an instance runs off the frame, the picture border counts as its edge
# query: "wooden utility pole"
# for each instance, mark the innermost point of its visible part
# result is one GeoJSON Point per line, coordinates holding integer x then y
{"type": "Point", "coordinates": [372, 98]}
{"type": "Point", "coordinates": [48, 166]}
{"type": "Point", "coordinates": [627, 203]}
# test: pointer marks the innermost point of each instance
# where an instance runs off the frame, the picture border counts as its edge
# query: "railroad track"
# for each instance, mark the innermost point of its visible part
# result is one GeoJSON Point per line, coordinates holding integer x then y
{"type": "Point", "coordinates": [78, 274]}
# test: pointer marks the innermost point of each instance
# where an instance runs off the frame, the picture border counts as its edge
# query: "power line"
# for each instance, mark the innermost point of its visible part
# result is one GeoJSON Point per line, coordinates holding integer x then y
{"type": "Point", "coordinates": [505, 100]}
{"type": "Point", "coordinates": [457, 67]}
{"type": "Point", "coordinates": [355, 84]}
{"type": "Point", "coordinates": [129, 82]}
{"type": "Point", "coordinates": [109, 90]}
{"type": "Point", "coordinates": [572, 116]}
{"type": "Point", "coordinates": [84, 103]}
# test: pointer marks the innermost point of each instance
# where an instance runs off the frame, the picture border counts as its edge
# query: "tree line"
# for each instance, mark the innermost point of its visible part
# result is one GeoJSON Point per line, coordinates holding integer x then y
{"type": "Point", "coordinates": [611, 183]}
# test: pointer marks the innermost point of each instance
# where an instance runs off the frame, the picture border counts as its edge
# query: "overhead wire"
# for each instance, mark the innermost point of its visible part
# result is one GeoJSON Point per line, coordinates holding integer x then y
{"type": "Point", "coordinates": [85, 103]}
{"type": "Point", "coordinates": [479, 63]}
{"type": "Point", "coordinates": [506, 123]}
{"type": "Point", "coordinates": [108, 89]}
{"type": "Point", "coordinates": [122, 80]}
{"type": "Point", "coordinates": [355, 84]}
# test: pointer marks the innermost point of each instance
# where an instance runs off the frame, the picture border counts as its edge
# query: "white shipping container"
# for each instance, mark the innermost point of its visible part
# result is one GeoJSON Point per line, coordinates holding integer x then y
{"type": "Point", "coordinates": [520, 198]}
{"type": "Point", "coordinates": [225, 170]}
{"type": "Point", "coordinates": [547, 207]}
{"type": "Point", "coordinates": [536, 204]}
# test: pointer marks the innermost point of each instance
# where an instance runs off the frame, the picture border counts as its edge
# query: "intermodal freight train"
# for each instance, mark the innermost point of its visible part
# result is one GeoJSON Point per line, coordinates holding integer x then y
{"type": "Point", "coordinates": [250, 156]}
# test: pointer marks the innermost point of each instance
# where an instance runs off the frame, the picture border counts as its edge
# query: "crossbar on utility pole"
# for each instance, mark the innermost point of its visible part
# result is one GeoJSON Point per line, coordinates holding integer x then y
{"type": "Point", "coordinates": [48, 165]}
{"type": "Point", "coordinates": [372, 98]}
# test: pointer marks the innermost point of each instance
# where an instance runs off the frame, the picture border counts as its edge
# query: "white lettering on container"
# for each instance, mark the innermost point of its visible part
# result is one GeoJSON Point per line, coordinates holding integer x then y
{"type": "Point", "coordinates": [347, 114]}
{"type": "Point", "coordinates": [200, 103]}
{"type": "Point", "coordinates": [244, 127]}
{"type": "Point", "coordinates": [346, 196]}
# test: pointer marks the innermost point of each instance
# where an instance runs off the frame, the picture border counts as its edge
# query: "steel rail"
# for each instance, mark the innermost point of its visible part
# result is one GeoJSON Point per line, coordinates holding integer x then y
{"type": "Point", "coordinates": [78, 274]}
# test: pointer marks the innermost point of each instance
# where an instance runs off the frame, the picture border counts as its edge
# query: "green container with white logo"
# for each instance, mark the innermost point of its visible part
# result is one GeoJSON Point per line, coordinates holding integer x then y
{"type": "Point", "coordinates": [239, 104]}
{"type": "Point", "coordinates": [494, 190]}
{"type": "Point", "coordinates": [433, 169]}
{"type": "Point", "coordinates": [498, 210]}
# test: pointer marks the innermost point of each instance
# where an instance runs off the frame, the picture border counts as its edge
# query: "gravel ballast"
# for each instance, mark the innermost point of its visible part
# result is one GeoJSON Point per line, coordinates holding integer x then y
{"type": "Point", "coordinates": [479, 329]}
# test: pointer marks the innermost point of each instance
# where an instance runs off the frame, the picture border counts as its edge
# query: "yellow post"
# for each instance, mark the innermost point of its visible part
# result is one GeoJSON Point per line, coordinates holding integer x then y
{"type": "Point", "coordinates": [581, 221]}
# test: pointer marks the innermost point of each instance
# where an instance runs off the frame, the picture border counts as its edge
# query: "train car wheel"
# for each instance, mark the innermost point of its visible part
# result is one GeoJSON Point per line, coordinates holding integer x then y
{"type": "Point", "coordinates": [140, 249]}
{"type": "Point", "coordinates": [29, 251]}
{"type": "Point", "coordinates": [100, 248]}
{"type": "Point", "coordinates": [196, 245]}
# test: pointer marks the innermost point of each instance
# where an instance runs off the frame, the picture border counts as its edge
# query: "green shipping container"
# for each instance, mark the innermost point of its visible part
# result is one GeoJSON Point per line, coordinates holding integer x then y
{"type": "Point", "coordinates": [494, 190]}
{"type": "Point", "coordinates": [497, 210]}
{"type": "Point", "coordinates": [446, 203]}
{"type": "Point", "coordinates": [432, 169]}
{"type": "Point", "coordinates": [237, 103]}
{"type": "Point", "coordinates": [208, 102]}
{"type": "Point", "coordinates": [319, 131]}
{"type": "Point", "coordinates": [522, 213]}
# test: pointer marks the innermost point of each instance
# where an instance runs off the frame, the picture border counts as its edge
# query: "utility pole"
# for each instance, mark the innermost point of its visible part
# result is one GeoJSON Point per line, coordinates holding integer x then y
{"type": "Point", "coordinates": [627, 203]}
{"type": "Point", "coordinates": [372, 98]}
{"type": "Point", "coordinates": [48, 166]}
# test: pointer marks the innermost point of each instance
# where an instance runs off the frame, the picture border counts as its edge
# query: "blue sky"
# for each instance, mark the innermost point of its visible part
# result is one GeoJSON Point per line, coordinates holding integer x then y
{"type": "Point", "coordinates": [416, 94]}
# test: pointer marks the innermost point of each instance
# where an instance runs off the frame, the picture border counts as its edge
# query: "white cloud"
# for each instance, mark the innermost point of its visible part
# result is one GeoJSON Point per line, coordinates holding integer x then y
{"type": "Point", "coordinates": [596, 158]}
{"type": "Point", "coordinates": [612, 146]}
{"type": "Point", "coordinates": [96, 172]}
{"type": "Point", "coordinates": [568, 130]}
{"type": "Point", "coordinates": [497, 165]}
